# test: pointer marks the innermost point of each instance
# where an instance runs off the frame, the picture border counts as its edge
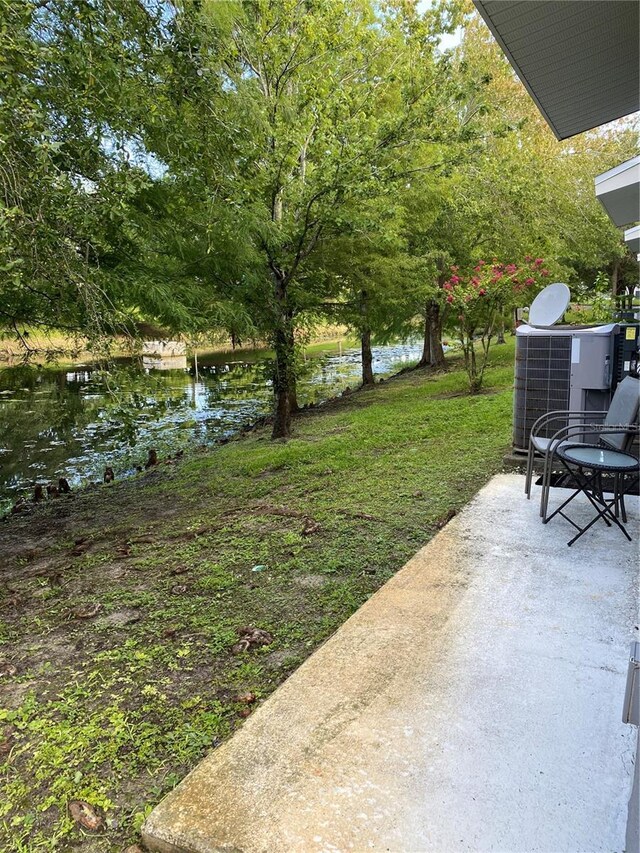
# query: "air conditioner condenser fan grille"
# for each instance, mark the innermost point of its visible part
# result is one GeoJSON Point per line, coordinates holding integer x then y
{"type": "Point", "coordinates": [542, 382]}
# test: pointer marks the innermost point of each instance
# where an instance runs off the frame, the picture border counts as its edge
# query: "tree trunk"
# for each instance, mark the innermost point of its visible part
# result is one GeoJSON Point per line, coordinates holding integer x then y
{"type": "Point", "coordinates": [500, 338]}
{"type": "Point", "coordinates": [365, 341]}
{"type": "Point", "coordinates": [615, 274]}
{"type": "Point", "coordinates": [436, 350]}
{"type": "Point", "coordinates": [283, 383]}
{"type": "Point", "coordinates": [367, 358]}
{"type": "Point", "coordinates": [426, 346]}
{"type": "Point", "coordinates": [293, 387]}
{"type": "Point", "coordinates": [475, 381]}
{"type": "Point", "coordinates": [293, 398]}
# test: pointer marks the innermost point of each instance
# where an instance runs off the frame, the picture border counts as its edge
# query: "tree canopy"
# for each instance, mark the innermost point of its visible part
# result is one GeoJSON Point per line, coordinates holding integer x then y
{"type": "Point", "coordinates": [260, 166]}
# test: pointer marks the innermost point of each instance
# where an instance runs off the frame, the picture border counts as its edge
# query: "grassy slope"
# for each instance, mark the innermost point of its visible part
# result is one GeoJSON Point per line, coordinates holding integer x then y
{"type": "Point", "coordinates": [115, 709]}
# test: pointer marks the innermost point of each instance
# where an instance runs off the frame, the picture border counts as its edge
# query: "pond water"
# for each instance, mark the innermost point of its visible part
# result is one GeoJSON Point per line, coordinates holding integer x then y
{"type": "Point", "coordinates": [74, 421]}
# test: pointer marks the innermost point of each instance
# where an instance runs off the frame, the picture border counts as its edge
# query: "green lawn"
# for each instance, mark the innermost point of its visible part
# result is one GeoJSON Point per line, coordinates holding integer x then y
{"type": "Point", "coordinates": [113, 709]}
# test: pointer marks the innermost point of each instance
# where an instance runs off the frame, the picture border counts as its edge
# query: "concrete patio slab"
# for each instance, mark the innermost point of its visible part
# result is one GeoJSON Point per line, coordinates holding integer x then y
{"type": "Point", "coordinates": [473, 703]}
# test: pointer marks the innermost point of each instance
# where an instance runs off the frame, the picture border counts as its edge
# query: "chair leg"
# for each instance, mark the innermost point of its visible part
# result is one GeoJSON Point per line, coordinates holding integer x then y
{"type": "Point", "coordinates": [527, 484]}
{"type": "Point", "coordinates": [620, 491]}
{"type": "Point", "coordinates": [543, 490]}
{"type": "Point", "coordinates": [546, 484]}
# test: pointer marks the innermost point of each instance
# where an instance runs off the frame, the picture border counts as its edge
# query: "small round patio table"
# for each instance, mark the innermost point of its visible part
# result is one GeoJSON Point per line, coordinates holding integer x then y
{"type": "Point", "coordinates": [587, 463]}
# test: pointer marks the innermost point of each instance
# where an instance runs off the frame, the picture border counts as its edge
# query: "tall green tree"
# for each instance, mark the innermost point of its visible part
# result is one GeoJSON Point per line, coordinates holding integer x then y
{"type": "Point", "coordinates": [290, 114]}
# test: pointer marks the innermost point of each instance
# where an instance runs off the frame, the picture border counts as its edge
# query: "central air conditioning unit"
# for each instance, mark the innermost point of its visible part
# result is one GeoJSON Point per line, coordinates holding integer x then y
{"type": "Point", "coordinates": [570, 368]}
{"type": "Point", "coordinates": [559, 367]}
{"type": "Point", "coordinates": [563, 368]}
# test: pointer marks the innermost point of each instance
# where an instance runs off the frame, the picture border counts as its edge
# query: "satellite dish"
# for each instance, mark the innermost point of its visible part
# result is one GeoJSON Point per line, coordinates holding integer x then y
{"type": "Point", "coordinates": [549, 305]}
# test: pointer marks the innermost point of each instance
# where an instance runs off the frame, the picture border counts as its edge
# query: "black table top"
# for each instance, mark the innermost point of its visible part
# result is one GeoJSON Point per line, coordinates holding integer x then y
{"type": "Point", "coordinates": [598, 458]}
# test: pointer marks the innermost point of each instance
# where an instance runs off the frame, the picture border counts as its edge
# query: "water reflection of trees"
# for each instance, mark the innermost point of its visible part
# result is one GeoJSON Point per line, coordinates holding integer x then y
{"type": "Point", "coordinates": [75, 421]}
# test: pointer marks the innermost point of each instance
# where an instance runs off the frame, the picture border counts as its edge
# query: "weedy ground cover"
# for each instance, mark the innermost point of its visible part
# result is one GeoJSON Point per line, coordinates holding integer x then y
{"type": "Point", "coordinates": [120, 606]}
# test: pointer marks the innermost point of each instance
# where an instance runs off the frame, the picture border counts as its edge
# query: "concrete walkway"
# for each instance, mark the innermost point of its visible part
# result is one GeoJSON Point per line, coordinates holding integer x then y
{"type": "Point", "coordinates": [473, 703]}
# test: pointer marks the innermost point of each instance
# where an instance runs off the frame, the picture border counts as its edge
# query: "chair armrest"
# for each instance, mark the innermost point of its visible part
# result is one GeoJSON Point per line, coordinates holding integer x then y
{"type": "Point", "coordinates": [573, 430]}
{"type": "Point", "coordinates": [570, 430]}
{"type": "Point", "coordinates": [561, 414]}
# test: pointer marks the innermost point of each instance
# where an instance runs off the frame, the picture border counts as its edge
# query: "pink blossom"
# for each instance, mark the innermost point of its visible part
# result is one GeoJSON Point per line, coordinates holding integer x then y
{"type": "Point", "coordinates": [538, 262]}
{"type": "Point", "coordinates": [529, 281]}
{"type": "Point", "coordinates": [475, 281]}
{"type": "Point", "coordinates": [454, 279]}
{"type": "Point", "coordinates": [544, 272]}
{"type": "Point", "coordinates": [528, 258]}
{"type": "Point", "coordinates": [449, 298]}
{"type": "Point", "coordinates": [511, 268]}
{"type": "Point", "coordinates": [455, 269]}
{"type": "Point", "coordinates": [447, 285]}
{"type": "Point", "coordinates": [481, 263]}
{"type": "Point", "coordinates": [482, 292]}
{"type": "Point", "coordinates": [496, 277]}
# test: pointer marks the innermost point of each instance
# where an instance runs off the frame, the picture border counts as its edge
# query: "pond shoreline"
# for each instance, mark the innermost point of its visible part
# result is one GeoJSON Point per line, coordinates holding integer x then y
{"type": "Point", "coordinates": [75, 422]}
{"type": "Point", "coordinates": [25, 505]}
{"type": "Point", "coordinates": [12, 352]}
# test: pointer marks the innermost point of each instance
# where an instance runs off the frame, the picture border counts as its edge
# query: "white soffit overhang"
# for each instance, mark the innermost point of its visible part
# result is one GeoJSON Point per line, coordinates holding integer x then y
{"type": "Point", "coordinates": [632, 239]}
{"type": "Point", "coordinates": [618, 190]}
{"type": "Point", "coordinates": [579, 59]}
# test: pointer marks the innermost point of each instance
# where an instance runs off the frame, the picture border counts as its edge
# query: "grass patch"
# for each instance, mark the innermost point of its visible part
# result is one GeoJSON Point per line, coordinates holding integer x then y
{"type": "Point", "coordinates": [114, 708]}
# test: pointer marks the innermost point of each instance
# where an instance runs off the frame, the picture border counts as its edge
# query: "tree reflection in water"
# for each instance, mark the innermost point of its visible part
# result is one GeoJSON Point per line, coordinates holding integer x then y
{"type": "Point", "coordinates": [74, 422]}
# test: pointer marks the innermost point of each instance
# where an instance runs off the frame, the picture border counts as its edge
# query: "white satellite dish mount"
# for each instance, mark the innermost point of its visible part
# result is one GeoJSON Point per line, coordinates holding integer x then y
{"type": "Point", "coordinates": [549, 305]}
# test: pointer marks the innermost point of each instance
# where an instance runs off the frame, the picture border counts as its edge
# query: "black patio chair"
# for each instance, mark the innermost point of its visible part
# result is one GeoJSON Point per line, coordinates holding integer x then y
{"type": "Point", "coordinates": [615, 428]}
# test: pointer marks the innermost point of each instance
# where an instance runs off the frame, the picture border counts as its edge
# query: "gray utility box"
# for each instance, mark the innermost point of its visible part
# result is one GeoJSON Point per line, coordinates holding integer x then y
{"type": "Point", "coordinates": [560, 367]}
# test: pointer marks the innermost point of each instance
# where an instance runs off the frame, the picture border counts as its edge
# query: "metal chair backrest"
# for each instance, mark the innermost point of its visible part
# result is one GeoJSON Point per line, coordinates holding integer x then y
{"type": "Point", "coordinates": [622, 411]}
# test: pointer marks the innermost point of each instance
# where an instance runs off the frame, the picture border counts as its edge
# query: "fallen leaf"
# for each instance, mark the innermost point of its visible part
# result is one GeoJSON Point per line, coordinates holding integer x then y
{"type": "Point", "coordinates": [310, 528]}
{"type": "Point", "coordinates": [8, 669]}
{"type": "Point", "coordinates": [179, 589]}
{"type": "Point", "coordinates": [86, 815]}
{"type": "Point", "coordinates": [245, 698]}
{"type": "Point", "coordinates": [250, 637]}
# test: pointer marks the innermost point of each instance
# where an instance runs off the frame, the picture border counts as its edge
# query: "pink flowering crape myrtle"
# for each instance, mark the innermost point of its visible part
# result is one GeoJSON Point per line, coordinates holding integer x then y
{"type": "Point", "coordinates": [481, 299]}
